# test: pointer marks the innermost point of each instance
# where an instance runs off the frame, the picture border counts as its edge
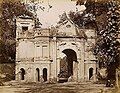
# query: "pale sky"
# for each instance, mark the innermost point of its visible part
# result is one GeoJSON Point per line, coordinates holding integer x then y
{"type": "Point", "coordinates": [51, 16]}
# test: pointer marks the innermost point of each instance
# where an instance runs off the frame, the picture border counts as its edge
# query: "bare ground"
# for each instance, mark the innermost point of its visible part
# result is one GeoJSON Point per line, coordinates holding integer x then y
{"type": "Point", "coordinates": [69, 87]}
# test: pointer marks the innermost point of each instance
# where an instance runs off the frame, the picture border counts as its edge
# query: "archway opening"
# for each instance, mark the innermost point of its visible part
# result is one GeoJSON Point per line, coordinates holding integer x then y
{"type": "Point", "coordinates": [22, 74]}
{"type": "Point", "coordinates": [38, 74]}
{"type": "Point", "coordinates": [90, 73]}
{"type": "Point", "coordinates": [45, 74]}
{"type": "Point", "coordinates": [66, 65]}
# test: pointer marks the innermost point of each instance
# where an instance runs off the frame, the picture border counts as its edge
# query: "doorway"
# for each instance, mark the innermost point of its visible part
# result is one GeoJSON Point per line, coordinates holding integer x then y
{"type": "Point", "coordinates": [66, 65]}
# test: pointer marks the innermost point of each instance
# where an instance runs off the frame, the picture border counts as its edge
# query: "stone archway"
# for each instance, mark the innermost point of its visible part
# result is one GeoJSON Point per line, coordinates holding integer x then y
{"type": "Point", "coordinates": [67, 65]}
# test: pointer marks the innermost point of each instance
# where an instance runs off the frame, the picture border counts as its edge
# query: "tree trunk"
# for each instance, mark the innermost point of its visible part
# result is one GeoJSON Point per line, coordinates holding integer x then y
{"type": "Point", "coordinates": [117, 80]}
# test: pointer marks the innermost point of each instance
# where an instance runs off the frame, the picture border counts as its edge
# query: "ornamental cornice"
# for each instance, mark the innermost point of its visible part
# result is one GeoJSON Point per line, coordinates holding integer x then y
{"type": "Point", "coordinates": [25, 59]}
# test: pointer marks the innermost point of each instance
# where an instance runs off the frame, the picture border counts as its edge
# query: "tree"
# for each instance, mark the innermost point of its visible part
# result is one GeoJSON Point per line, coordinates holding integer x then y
{"type": "Point", "coordinates": [105, 16]}
{"type": "Point", "coordinates": [107, 45]}
{"type": "Point", "coordinates": [9, 10]}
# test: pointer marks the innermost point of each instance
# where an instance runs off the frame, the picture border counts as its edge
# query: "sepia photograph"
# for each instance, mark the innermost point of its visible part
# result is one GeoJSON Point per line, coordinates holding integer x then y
{"type": "Point", "coordinates": [59, 46]}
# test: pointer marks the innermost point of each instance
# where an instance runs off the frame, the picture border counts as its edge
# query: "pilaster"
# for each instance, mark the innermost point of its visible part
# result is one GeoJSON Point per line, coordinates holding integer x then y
{"type": "Point", "coordinates": [55, 57]}
{"type": "Point", "coordinates": [81, 63]}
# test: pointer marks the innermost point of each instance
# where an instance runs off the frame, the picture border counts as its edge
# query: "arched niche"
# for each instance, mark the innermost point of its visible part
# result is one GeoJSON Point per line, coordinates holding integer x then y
{"type": "Point", "coordinates": [45, 74]}
{"type": "Point", "coordinates": [90, 73]}
{"type": "Point", "coordinates": [22, 74]}
{"type": "Point", "coordinates": [37, 74]}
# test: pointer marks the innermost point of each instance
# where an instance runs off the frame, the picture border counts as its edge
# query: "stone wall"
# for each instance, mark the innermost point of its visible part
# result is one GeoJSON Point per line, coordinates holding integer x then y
{"type": "Point", "coordinates": [37, 51]}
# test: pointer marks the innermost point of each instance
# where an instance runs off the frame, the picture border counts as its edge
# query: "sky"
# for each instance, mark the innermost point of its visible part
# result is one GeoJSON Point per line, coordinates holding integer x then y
{"type": "Point", "coordinates": [50, 16]}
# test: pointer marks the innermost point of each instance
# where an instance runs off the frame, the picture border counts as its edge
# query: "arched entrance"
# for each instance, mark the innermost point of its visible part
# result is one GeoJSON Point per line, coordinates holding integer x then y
{"type": "Point", "coordinates": [45, 74]}
{"type": "Point", "coordinates": [37, 74]}
{"type": "Point", "coordinates": [22, 74]}
{"type": "Point", "coordinates": [66, 65]}
{"type": "Point", "coordinates": [90, 73]}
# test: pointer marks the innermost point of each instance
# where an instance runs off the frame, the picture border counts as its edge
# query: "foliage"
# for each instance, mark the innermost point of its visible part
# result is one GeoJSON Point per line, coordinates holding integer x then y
{"type": "Point", "coordinates": [9, 11]}
{"type": "Point", "coordinates": [107, 45]}
{"type": "Point", "coordinates": [7, 72]}
{"type": "Point", "coordinates": [84, 20]}
{"type": "Point", "coordinates": [94, 16]}
{"type": "Point", "coordinates": [105, 16]}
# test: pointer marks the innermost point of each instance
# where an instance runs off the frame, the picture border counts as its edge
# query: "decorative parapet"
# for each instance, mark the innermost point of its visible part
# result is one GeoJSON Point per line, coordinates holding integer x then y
{"type": "Point", "coordinates": [26, 34]}
{"type": "Point", "coordinates": [42, 32]}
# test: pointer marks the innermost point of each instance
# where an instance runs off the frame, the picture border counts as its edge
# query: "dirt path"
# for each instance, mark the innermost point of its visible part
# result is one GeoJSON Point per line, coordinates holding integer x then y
{"type": "Point", "coordinates": [55, 88]}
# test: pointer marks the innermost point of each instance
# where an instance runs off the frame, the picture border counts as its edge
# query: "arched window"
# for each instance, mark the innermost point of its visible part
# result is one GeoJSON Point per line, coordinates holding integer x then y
{"type": "Point", "coordinates": [90, 73]}
{"type": "Point", "coordinates": [38, 74]}
{"type": "Point", "coordinates": [22, 74]}
{"type": "Point", "coordinates": [45, 74]}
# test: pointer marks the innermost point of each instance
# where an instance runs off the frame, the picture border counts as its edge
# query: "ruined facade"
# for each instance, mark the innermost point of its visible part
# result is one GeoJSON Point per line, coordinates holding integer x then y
{"type": "Point", "coordinates": [59, 53]}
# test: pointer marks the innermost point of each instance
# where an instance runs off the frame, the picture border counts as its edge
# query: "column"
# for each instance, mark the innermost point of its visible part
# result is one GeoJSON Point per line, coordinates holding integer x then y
{"type": "Point", "coordinates": [58, 68]}
{"type": "Point", "coordinates": [94, 73]}
{"type": "Point", "coordinates": [75, 71]}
